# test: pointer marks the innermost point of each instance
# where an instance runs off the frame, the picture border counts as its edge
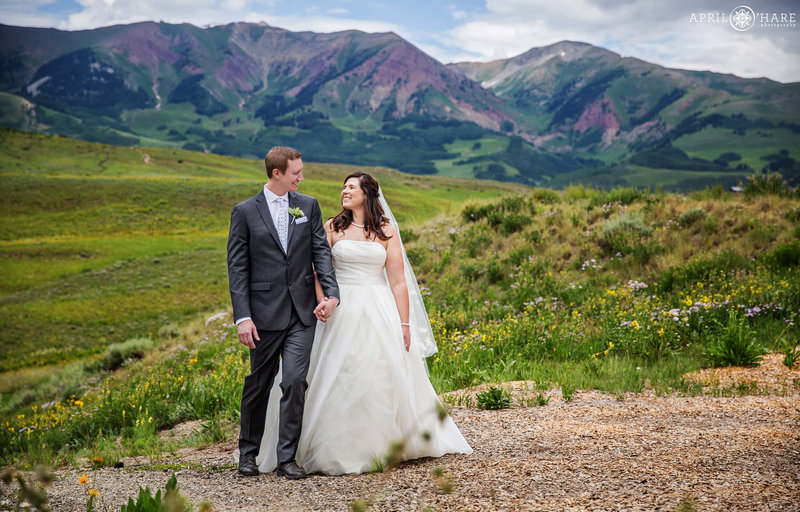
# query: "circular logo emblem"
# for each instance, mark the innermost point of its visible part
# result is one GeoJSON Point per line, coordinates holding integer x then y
{"type": "Point", "coordinates": [743, 18]}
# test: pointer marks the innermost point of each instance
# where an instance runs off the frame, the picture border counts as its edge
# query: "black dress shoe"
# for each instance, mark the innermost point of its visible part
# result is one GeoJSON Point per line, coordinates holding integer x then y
{"type": "Point", "coordinates": [291, 471]}
{"type": "Point", "coordinates": [247, 465]}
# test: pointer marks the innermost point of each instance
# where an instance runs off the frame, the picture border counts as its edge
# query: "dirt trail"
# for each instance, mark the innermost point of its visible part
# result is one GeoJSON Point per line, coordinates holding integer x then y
{"type": "Point", "coordinates": [594, 453]}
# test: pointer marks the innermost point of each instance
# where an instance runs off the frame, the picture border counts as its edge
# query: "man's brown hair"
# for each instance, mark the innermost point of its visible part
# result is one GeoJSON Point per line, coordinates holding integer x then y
{"type": "Point", "coordinates": [278, 158]}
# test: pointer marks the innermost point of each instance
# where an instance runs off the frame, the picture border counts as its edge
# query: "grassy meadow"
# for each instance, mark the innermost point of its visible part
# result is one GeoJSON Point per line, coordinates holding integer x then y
{"type": "Point", "coordinates": [102, 243]}
{"type": "Point", "coordinates": [113, 267]}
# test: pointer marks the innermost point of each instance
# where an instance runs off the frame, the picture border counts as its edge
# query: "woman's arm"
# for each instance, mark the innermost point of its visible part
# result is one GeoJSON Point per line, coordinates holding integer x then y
{"type": "Point", "coordinates": [395, 272]}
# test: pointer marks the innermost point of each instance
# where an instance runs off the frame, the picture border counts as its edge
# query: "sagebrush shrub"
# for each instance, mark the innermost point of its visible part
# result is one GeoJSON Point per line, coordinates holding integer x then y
{"type": "Point", "coordinates": [117, 353]}
{"type": "Point", "coordinates": [623, 233]}
{"type": "Point", "coordinates": [691, 216]}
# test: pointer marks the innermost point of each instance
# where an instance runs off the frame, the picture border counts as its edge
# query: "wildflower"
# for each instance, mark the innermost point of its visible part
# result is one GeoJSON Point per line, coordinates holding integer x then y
{"type": "Point", "coordinates": [94, 492]}
{"type": "Point", "coordinates": [79, 403]}
{"type": "Point", "coordinates": [83, 479]}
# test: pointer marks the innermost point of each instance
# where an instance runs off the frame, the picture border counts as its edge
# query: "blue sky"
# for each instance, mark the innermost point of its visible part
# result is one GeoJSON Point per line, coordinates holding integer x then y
{"type": "Point", "coordinates": [678, 33]}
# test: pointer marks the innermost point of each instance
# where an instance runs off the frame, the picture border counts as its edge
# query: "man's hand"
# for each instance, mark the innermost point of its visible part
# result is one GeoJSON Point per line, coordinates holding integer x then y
{"type": "Point", "coordinates": [324, 309]}
{"type": "Point", "coordinates": [247, 332]}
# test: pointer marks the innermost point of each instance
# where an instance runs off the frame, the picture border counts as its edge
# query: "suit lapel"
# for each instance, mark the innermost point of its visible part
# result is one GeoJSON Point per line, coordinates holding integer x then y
{"type": "Point", "coordinates": [263, 210]}
{"type": "Point", "coordinates": [292, 204]}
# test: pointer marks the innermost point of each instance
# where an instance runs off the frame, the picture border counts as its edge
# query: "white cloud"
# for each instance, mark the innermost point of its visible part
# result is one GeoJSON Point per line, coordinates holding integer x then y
{"type": "Point", "coordinates": [98, 13]}
{"type": "Point", "coordinates": [323, 24]}
{"type": "Point", "coordinates": [26, 13]}
{"type": "Point", "coordinates": [658, 32]}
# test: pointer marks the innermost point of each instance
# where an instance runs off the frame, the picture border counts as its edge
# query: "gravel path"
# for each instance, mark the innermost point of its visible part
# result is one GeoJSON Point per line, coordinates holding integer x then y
{"type": "Point", "coordinates": [595, 453]}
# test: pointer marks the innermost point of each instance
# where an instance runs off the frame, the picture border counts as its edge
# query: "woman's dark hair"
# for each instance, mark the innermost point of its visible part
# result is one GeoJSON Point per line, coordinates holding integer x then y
{"type": "Point", "coordinates": [374, 218]}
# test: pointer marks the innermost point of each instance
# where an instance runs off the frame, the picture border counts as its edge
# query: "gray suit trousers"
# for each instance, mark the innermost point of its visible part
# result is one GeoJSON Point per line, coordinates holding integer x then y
{"type": "Point", "coordinates": [293, 345]}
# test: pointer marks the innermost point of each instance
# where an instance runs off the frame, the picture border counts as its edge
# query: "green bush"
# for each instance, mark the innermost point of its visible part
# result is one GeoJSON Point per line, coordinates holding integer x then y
{"type": "Point", "coordinates": [495, 272]}
{"type": "Point", "coordinates": [623, 233]}
{"type": "Point", "coordinates": [495, 218]}
{"type": "Point", "coordinates": [416, 256]}
{"type": "Point", "coordinates": [476, 212]}
{"type": "Point", "coordinates": [624, 195]}
{"type": "Point", "coordinates": [475, 240]}
{"type": "Point", "coordinates": [691, 216]}
{"type": "Point", "coordinates": [793, 215]}
{"type": "Point", "coordinates": [701, 270]}
{"type": "Point", "coordinates": [514, 222]}
{"type": "Point", "coordinates": [761, 185]}
{"type": "Point", "coordinates": [169, 330]}
{"type": "Point", "coordinates": [533, 237]}
{"type": "Point", "coordinates": [494, 398]}
{"type": "Point", "coordinates": [408, 235]}
{"type": "Point", "coordinates": [470, 271]}
{"type": "Point", "coordinates": [786, 255]}
{"type": "Point", "coordinates": [736, 344]}
{"type": "Point", "coordinates": [517, 257]}
{"type": "Point", "coordinates": [117, 353]}
{"type": "Point", "coordinates": [513, 204]}
{"type": "Point", "coordinates": [546, 196]}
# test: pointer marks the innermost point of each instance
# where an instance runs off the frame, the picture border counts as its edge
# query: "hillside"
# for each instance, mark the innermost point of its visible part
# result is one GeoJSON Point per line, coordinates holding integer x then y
{"type": "Point", "coordinates": [104, 243]}
{"type": "Point", "coordinates": [352, 97]}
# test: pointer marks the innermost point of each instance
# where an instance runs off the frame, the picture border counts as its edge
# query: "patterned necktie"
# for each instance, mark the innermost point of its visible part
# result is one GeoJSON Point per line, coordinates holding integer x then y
{"type": "Point", "coordinates": [282, 222]}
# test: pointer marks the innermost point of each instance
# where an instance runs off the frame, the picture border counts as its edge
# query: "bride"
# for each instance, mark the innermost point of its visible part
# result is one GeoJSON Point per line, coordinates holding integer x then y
{"type": "Point", "coordinates": [368, 389]}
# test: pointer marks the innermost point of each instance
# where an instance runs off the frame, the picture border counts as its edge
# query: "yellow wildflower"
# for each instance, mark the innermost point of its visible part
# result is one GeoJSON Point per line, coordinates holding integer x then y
{"type": "Point", "coordinates": [83, 479]}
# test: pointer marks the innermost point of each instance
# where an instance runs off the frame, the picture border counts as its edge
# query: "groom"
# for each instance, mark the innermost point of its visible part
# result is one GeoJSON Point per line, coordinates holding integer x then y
{"type": "Point", "coordinates": [275, 245]}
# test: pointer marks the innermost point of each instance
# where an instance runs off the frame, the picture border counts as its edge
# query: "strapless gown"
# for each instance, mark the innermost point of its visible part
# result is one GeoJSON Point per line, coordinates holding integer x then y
{"type": "Point", "coordinates": [365, 391]}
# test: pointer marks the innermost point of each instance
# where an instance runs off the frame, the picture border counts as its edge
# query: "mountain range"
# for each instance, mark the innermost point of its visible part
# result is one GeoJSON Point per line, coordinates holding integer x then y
{"type": "Point", "coordinates": [568, 112]}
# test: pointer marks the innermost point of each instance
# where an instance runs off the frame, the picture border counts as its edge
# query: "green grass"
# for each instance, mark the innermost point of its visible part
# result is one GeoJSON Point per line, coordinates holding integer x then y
{"type": "Point", "coordinates": [647, 177]}
{"type": "Point", "coordinates": [100, 243]}
{"type": "Point", "coordinates": [466, 149]}
{"type": "Point", "coordinates": [751, 146]}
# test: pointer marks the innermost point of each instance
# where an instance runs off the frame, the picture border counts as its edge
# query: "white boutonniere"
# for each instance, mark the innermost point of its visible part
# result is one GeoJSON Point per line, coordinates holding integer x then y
{"type": "Point", "coordinates": [299, 216]}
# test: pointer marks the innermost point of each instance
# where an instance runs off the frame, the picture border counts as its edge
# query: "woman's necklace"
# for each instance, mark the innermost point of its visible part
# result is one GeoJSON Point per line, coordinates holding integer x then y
{"type": "Point", "coordinates": [356, 225]}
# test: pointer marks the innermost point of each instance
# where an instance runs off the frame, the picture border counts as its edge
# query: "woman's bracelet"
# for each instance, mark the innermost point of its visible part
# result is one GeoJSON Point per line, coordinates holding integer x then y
{"type": "Point", "coordinates": [404, 323]}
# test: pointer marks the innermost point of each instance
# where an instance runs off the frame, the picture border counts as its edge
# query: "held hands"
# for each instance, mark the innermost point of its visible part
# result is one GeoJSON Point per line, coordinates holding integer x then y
{"type": "Point", "coordinates": [247, 332]}
{"type": "Point", "coordinates": [324, 309]}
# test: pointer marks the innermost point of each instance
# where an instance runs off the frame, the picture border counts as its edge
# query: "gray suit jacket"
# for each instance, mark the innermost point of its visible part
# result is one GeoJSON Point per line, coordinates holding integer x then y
{"type": "Point", "coordinates": [264, 281]}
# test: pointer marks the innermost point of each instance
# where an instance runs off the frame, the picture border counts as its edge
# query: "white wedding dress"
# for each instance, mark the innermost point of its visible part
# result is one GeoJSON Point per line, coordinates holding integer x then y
{"type": "Point", "coordinates": [365, 391]}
